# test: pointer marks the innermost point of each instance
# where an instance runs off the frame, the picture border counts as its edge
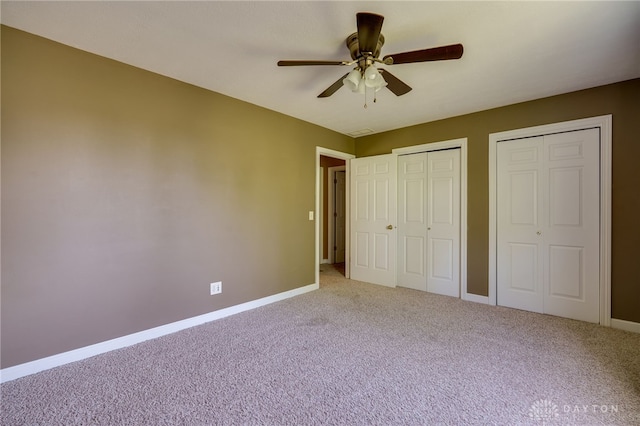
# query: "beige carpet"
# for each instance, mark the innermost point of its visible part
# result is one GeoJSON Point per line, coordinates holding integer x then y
{"type": "Point", "coordinates": [350, 354]}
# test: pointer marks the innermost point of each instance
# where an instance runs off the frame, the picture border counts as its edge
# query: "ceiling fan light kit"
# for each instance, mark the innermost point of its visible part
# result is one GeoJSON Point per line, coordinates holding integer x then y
{"type": "Point", "coordinates": [352, 80]}
{"type": "Point", "coordinates": [357, 79]}
{"type": "Point", "coordinates": [373, 78]}
{"type": "Point", "coordinates": [364, 47]}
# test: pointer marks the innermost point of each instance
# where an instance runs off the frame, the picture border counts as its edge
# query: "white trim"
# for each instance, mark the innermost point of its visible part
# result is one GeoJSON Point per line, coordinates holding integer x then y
{"type": "Point", "coordinates": [343, 156]}
{"type": "Point", "coordinates": [330, 219]}
{"type": "Point", "coordinates": [21, 370]}
{"type": "Point", "coordinates": [320, 219]}
{"type": "Point", "coordinates": [633, 327]}
{"type": "Point", "coordinates": [331, 176]}
{"type": "Point", "coordinates": [604, 124]}
{"type": "Point", "coordinates": [436, 146]}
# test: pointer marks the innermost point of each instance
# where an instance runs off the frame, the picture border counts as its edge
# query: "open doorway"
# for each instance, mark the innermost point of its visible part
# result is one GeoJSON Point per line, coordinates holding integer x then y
{"type": "Point", "coordinates": [333, 211]}
{"type": "Point", "coordinates": [332, 227]}
{"type": "Point", "coordinates": [336, 217]}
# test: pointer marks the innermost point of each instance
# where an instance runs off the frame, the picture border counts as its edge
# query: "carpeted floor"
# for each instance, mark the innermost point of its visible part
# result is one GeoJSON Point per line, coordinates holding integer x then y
{"type": "Point", "coordinates": [350, 354]}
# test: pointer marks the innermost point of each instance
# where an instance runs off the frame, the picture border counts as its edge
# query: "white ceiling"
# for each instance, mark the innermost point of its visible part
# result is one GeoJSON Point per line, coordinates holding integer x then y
{"type": "Point", "coordinates": [513, 51]}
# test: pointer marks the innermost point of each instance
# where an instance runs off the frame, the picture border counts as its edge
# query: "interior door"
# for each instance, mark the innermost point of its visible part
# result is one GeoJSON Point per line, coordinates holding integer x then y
{"type": "Point", "coordinates": [412, 221]}
{"type": "Point", "coordinates": [572, 232]}
{"type": "Point", "coordinates": [373, 219]}
{"type": "Point", "coordinates": [339, 215]}
{"type": "Point", "coordinates": [429, 221]}
{"type": "Point", "coordinates": [519, 241]}
{"type": "Point", "coordinates": [548, 236]}
{"type": "Point", "coordinates": [443, 225]}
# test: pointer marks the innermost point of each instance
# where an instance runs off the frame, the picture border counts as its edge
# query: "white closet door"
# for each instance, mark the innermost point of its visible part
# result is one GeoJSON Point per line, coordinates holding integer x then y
{"type": "Point", "coordinates": [373, 219]}
{"type": "Point", "coordinates": [519, 239]}
{"type": "Point", "coordinates": [572, 231]}
{"type": "Point", "coordinates": [443, 223]}
{"type": "Point", "coordinates": [548, 224]}
{"type": "Point", "coordinates": [429, 222]}
{"type": "Point", "coordinates": [412, 221]}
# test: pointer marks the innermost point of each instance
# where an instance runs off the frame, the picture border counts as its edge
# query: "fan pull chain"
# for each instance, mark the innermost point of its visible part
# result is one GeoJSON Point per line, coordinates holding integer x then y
{"type": "Point", "coordinates": [375, 97]}
{"type": "Point", "coordinates": [365, 97]}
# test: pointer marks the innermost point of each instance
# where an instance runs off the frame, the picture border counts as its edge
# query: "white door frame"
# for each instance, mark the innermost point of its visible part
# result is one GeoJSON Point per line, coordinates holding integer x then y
{"type": "Point", "coordinates": [320, 151]}
{"type": "Point", "coordinates": [462, 144]}
{"type": "Point", "coordinates": [331, 176]}
{"type": "Point", "coordinates": [604, 124]}
{"type": "Point", "coordinates": [320, 217]}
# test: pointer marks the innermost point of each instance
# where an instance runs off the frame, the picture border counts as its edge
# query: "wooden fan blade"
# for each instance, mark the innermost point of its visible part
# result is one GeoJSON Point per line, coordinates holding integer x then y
{"type": "Point", "coordinates": [333, 88]}
{"type": "Point", "coordinates": [369, 27]}
{"type": "Point", "coordinates": [299, 63]}
{"type": "Point", "coordinates": [442, 53]}
{"type": "Point", "coordinates": [397, 86]}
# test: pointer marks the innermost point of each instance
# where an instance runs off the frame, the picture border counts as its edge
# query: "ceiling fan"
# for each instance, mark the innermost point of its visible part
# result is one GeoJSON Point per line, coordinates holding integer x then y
{"type": "Point", "coordinates": [364, 46]}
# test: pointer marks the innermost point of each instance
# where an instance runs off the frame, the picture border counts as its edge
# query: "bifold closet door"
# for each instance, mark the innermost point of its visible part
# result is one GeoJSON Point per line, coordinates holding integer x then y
{"type": "Point", "coordinates": [412, 221]}
{"type": "Point", "coordinates": [548, 235]}
{"type": "Point", "coordinates": [429, 221]}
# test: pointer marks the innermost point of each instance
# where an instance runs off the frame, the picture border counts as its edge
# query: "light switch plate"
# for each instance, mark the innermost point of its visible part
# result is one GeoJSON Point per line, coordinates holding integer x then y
{"type": "Point", "coordinates": [216, 288]}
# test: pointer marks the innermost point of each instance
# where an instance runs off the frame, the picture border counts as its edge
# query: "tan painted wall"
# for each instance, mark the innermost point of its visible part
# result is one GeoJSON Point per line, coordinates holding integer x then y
{"type": "Point", "coordinates": [125, 193]}
{"type": "Point", "coordinates": [622, 100]}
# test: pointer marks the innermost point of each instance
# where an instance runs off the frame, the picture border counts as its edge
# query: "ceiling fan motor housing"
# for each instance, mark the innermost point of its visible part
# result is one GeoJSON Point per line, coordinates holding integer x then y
{"type": "Point", "coordinates": [354, 46]}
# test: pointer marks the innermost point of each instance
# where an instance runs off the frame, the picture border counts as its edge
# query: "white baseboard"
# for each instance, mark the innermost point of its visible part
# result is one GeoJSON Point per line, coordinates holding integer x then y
{"type": "Point", "coordinates": [625, 325]}
{"type": "Point", "coordinates": [325, 261]}
{"type": "Point", "coordinates": [21, 370]}
{"type": "Point", "coordinates": [476, 298]}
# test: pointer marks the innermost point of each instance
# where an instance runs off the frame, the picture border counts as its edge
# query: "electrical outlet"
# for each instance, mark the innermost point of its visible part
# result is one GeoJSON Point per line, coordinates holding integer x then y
{"type": "Point", "coordinates": [216, 288]}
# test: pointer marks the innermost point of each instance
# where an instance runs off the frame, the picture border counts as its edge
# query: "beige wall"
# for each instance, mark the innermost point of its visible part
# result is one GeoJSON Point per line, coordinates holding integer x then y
{"type": "Point", "coordinates": [622, 100]}
{"type": "Point", "coordinates": [125, 193]}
